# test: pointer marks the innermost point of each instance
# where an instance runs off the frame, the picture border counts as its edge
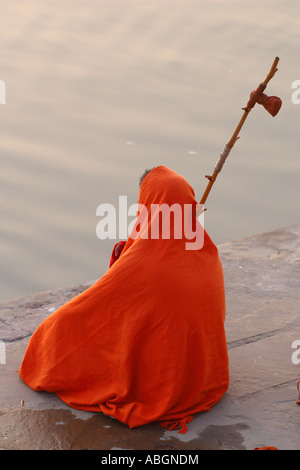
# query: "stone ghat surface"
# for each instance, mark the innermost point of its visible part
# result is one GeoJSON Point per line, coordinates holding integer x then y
{"type": "Point", "coordinates": [262, 279]}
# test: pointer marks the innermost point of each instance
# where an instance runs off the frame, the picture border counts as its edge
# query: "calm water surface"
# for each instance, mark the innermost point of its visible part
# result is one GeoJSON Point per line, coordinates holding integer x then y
{"type": "Point", "coordinates": [98, 91]}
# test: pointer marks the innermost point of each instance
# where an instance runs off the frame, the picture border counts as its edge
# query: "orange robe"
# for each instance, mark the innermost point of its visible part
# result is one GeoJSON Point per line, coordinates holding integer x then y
{"type": "Point", "coordinates": [147, 341]}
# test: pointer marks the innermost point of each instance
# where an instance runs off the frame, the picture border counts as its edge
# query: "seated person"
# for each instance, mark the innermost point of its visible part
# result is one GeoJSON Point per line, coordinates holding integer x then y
{"type": "Point", "coordinates": [146, 343]}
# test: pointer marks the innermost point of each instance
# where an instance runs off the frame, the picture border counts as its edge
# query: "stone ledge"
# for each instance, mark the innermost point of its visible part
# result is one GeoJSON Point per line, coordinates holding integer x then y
{"type": "Point", "coordinates": [262, 279]}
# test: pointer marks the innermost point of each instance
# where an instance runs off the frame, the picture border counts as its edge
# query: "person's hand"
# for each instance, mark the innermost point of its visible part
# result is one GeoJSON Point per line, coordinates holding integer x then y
{"type": "Point", "coordinates": [118, 249]}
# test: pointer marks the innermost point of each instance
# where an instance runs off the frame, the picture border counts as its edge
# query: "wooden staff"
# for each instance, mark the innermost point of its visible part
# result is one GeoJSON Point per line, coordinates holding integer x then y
{"type": "Point", "coordinates": [271, 103]}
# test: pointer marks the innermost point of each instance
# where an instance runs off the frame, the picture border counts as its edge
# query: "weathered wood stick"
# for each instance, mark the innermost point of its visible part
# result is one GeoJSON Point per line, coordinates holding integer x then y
{"type": "Point", "coordinates": [271, 103]}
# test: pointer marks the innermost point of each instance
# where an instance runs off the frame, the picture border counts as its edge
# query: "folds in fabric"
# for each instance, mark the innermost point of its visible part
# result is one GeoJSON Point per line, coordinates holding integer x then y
{"type": "Point", "coordinates": [147, 341]}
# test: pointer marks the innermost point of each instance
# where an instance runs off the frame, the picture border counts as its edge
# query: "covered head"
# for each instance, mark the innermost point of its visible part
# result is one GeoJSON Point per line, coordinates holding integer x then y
{"type": "Point", "coordinates": [147, 341]}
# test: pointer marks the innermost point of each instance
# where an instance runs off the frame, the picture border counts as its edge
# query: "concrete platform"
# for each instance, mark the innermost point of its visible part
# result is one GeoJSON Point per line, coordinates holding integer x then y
{"type": "Point", "coordinates": [262, 277]}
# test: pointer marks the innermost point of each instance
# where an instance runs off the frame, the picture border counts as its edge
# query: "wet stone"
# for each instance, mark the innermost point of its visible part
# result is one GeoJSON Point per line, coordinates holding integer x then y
{"type": "Point", "coordinates": [262, 280]}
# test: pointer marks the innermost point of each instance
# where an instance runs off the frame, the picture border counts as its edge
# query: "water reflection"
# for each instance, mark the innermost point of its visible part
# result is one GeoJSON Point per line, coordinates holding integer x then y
{"type": "Point", "coordinates": [99, 91]}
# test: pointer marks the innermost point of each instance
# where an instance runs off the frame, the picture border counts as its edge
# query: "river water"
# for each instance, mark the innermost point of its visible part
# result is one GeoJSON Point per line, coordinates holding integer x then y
{"type": "Point", "coordinates": [99, 90]}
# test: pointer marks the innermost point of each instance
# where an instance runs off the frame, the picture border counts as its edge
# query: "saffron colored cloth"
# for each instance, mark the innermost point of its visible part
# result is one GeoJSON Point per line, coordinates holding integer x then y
{"type": "Point", "coordinates": [266, 448]}
{"type": "Point", "coordinates": [147, 341]}
{"type": "Point", "coordinates": [116, 252]}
